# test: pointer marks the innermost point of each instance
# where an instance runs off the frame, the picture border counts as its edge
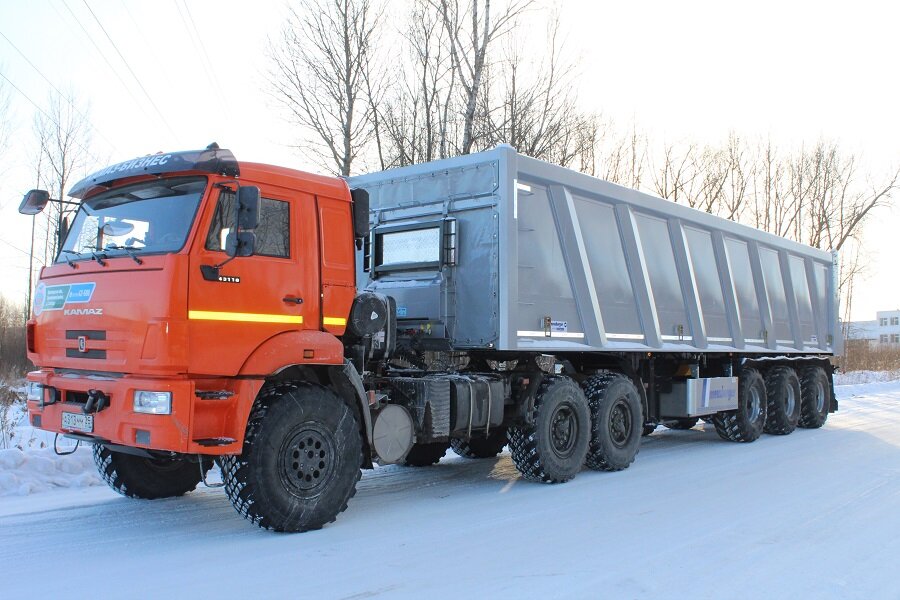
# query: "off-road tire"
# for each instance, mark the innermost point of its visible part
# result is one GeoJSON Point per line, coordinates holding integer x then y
{"type": "Point", "coordinates": [300, 461]}
{"type": "Point", "coordinates": [616, 421]}
{"type": "Point", "coordinates": [147, 478]}
{"type": "Point", "coordinates": [648, 429]}
{"type": "Point", "coordinates": [553, 448]}
{"type": "Point", "coordinates": [425, 455]}
{"type": "Point", "coordinates": [482, 447]}
{"type": "Point", "coordinates": [815, 392]}
{"type": "Point", "coordinates": [681, 424]}
{"type": "Point", "coordinates": [746, 423]}
{"type": "Point", "coordinates": [783, 400]}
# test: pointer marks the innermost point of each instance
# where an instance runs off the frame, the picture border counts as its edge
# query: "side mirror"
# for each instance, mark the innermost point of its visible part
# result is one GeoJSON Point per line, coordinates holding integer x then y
{"type": "Point", "coordinates": [247, 208]}
{"type": "Point", "coordinates": [34, 202]}
{"type": "Point", "coordinates": [241, 243]}
{"type": "Point", "coordinates": [360, 199]}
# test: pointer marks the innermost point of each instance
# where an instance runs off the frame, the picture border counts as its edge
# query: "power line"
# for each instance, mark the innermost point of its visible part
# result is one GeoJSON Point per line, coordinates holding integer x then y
{"type": "Point", "coordinates": [207, 63]}
{"type": "Point", "coordinates": [25, 252]}
{"type": "Point", "coordinates": [52, 120]}
{"type": "Point", "coordinates": [130, 70]}
{"type": "Point", "coordinates": [69, 100]}
{"type": "Point", "coordinates": [103, 56]}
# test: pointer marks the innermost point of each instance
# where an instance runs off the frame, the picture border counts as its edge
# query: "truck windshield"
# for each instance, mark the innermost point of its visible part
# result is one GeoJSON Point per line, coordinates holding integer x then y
{"type": "Point", "coordinates": [151, 217]}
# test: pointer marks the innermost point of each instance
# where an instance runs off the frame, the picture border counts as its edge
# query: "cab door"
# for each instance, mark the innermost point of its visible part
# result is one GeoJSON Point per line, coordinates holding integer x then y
{"type": "Point", "coordinates": [256, 297]}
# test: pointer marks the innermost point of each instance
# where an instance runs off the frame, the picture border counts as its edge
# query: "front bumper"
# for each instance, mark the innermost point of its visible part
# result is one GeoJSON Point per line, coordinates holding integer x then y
{"type": "Point", "coordinates": [208, 415]}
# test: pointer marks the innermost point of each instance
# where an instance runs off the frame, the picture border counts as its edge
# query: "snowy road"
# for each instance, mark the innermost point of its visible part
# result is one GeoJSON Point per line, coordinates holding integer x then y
{"type": "Point", "coordinates": [812, 515]}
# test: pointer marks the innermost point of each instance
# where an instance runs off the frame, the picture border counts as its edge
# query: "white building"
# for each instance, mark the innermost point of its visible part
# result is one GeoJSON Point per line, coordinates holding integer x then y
{"type": "Point", "coordinates": [888, 329]}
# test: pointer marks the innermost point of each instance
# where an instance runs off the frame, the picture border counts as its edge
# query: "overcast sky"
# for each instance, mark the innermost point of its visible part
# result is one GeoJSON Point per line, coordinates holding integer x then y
{"type": "Point", "coordinates": [793, 71]}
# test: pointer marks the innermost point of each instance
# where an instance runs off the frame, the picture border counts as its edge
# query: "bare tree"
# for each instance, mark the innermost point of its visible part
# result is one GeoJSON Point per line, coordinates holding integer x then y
{"type": "Point", "coordinates": [538, 113]}
{"type": "Point", "coordinates": [63, 135]}
{"type": "Point", "coordinates": [470, 33]}
{"type": "Point", "coordinates": [321, 74]}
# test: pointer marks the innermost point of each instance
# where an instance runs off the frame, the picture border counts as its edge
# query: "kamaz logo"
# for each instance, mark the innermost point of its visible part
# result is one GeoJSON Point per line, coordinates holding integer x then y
{"type": "Point", "coordinates": [83, 311]}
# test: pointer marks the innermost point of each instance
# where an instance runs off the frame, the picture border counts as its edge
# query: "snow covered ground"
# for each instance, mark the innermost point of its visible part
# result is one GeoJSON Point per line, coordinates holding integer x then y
{"type": "Point", "coordinates": [812, 515]}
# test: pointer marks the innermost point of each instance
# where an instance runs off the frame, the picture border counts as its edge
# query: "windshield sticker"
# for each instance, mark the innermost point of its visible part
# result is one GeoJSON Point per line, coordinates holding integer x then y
{"type": "Point", "coordinates": [55, 297]}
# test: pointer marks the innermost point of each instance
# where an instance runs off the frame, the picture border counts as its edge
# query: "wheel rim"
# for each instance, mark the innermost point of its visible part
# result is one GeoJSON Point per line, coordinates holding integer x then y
{"type": "Point", "coordinates": [307, 459]}
{"type": "Point", "coordinates": [790, 401]}
{"type": "Point", "coordinates": [620, 423]}
{"type": "Point", "coordinates": [564, 430]}
{"type": "Point", "coordinates": [755, 406]}
{"type": "Point", "coordinates": [820, 397]}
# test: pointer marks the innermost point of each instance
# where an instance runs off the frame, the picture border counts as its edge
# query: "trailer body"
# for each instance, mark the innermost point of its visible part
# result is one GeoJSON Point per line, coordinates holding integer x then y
{"type": "Point", "coordinates": [499, 251]}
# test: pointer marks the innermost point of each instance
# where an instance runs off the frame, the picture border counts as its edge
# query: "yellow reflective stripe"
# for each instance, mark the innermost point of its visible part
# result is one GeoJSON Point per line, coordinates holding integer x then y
{"type": "Point", "coordinates": [209, 315]}
{"type": "Point", "coordinates": [334, 321]}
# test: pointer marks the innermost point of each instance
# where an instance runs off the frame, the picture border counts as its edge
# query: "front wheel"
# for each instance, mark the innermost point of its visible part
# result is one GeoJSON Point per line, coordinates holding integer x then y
{"type": "Point", "coordinates": [300, 461]}
{"type": "Point", "coordinates": [147, 478]}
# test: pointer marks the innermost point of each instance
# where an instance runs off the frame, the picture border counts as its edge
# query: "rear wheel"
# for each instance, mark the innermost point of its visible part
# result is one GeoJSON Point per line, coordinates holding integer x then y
{"type": "Point", "coordinates": [552, 449]}
{"type": "Point", "coordinates": [484, 447]}
{"type": "Point", "coordinates": [616, 418]}
{"type": "Point", "coordinates": [783, 400]}
{"type": "Point", "coordinates": [425, 455]}
{"type": "Point", "coordinates": [681, 424]}
{"type": "Point", "coordinates": [147, 478]}
{"type": "Point", "coordinates": [815, 391]}
{"type": "Point", "coordinates": [747, 422]}
{"type": "Point", "coordinates": [301, 459]}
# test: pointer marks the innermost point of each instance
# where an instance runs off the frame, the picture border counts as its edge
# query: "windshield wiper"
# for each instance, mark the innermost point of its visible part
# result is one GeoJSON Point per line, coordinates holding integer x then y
{"type": "Point", "coordinates": [69, 262]}
{"type": "Point", "coordinates": [99, 256]}
{"type": "Point", "coordinates": [129, 249]}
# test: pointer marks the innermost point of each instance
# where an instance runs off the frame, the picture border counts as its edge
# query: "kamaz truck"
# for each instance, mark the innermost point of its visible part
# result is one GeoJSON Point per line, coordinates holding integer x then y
{"type": "Point", "coordinates": [296, 329]}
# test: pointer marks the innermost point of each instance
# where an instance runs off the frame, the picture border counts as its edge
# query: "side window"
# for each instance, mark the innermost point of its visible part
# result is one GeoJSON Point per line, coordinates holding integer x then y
{"type": "Point", "coordinates": [273, 236]}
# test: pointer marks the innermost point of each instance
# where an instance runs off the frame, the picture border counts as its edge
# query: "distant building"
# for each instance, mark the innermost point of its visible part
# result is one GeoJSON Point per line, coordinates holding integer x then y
{"type": "Point", "coordinates": [883, 331]}
{"type": "Point", "coordinates": [888, 326]}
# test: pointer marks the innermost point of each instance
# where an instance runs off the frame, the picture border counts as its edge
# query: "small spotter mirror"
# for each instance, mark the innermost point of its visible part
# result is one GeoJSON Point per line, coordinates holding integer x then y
{"type": "Point", "coordinates": [34, 202]}
{"type": "Point", "coordinates": [248, 207]}
{"type": "Point", "coordinates": [240, 244]}
{"type": "Point", "coordinates": [117, 228]}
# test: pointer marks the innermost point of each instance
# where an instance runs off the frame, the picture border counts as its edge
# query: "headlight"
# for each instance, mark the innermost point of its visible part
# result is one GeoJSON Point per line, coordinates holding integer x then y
{"type": "Point", "coordinates": [35, 391]}
{"type": "Point", "coordinates": [153, 403]}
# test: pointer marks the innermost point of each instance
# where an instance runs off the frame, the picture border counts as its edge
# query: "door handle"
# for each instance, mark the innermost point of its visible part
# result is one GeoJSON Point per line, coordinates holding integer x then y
{"type": "Point", "coordinates": [292, 300]}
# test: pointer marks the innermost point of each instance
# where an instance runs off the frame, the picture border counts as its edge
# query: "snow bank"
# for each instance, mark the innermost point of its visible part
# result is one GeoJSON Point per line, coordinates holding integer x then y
{"type": "Point", "coordinates": [860, 377]}
{"type": "Point", "coordinates": [33, 471]}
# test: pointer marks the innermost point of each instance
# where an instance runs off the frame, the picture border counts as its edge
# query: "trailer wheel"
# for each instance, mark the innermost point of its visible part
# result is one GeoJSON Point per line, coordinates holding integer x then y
{"type": "Point", "coordinates": [815, 392]}
{"type": "Point", "coordinates": [747, 422]}
{"type": "Point", "coordinates": [681, 424]}
{"type": "Point", "coordinates": [483, 447]}
{"type": "Point", "coordinates": [616, 417]}
{"type": "Point", "coordinates": [553, 448]}
{"type": "Point", "coordinates": [425, 455]}
{"type": "Point", "coordinates": [783, 400]}
{"type": "Point", "coordinates": [146, 478]}
{"type": "Point", "coordinates": [300, 461]}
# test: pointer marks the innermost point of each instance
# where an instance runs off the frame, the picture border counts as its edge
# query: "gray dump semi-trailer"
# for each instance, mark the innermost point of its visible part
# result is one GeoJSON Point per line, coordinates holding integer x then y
{"type": "Point", "coordinates": [568, 316]}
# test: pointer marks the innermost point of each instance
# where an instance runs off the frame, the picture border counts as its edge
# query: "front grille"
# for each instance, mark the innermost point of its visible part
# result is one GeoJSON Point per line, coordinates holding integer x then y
{"type": "Point", "coordinates": [85, 334]}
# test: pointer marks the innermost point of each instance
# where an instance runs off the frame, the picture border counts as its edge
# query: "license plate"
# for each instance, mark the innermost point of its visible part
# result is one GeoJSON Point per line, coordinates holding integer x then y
{"type": "Point", "coordinates": [78, 422]}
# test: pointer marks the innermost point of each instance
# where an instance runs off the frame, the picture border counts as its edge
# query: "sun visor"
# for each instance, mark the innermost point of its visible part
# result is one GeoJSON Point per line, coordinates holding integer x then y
{"type": "Point", "coordinates": [210, 160]}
